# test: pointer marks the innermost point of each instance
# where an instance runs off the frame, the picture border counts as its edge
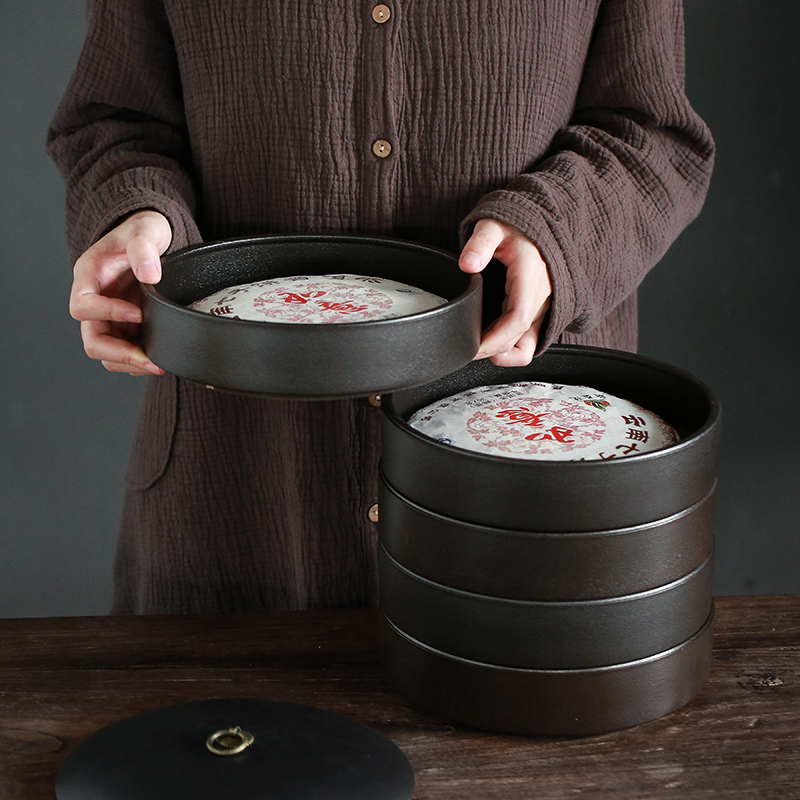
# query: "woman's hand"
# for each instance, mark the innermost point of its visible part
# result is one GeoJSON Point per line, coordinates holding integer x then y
{"type": "Point", "coordinates": [106, 296]}
{"type": "Point", "coordinates": [510, 341]}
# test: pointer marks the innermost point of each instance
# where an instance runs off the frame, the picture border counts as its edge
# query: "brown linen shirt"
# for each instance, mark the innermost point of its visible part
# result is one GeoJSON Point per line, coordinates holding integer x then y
{"type": "Point", "coordinates": [565, 118]}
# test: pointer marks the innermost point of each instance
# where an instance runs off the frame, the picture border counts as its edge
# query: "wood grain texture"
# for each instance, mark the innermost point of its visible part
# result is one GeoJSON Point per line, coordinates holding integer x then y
{"type": "Point", "coordinates": [62, 679]}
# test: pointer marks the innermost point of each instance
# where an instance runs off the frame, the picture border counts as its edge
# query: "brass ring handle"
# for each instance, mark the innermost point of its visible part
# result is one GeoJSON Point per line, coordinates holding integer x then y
{"type": "Point", "coordinates": [229, 742]}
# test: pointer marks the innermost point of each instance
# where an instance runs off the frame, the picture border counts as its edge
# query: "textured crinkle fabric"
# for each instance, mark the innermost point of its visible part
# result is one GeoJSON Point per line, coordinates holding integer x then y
{"type": "Point", "coordinates": [565, 118]}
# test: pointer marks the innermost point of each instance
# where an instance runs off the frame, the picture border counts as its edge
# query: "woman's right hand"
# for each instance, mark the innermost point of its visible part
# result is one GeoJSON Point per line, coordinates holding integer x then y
{"type": "Point", "coordinates": [106, 296]}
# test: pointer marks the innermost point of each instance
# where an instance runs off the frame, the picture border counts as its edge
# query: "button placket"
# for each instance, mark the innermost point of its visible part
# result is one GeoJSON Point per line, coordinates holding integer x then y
{"type": "Point", "coordinates": [382, 148]}
{"type": "Point", "coordinates": [379, 142]}
{"type": "Point", "coordinates": [381, 13]}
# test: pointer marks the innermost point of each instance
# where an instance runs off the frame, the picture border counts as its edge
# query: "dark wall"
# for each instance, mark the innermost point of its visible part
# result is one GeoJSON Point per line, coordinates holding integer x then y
{"type": "Point", "coordinates": [723, 304]}
{"type": "Point", "coordinates": [65, 424]}
{"type": "Point", "coordinates": [725, 301]}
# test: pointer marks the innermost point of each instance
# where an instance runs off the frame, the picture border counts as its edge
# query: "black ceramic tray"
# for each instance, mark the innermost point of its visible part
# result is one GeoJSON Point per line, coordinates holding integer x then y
{"type": "Point", "coordinates": [193, 752]}
{"type": "Point", "coordinates": [544, 566]}
{"type": "Point", "coordinates": [310, 360]}
{"type": "Point", "coordinates": [544, 634]}
{"type": "Point", "coordinates": [551, 496]}
{"type": "Point", "coordinates": [547, 702]}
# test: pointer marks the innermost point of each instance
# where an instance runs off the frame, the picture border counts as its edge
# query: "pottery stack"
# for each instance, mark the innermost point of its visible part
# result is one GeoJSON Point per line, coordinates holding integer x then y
{"type": "Point", "coordinates": [550, 597]}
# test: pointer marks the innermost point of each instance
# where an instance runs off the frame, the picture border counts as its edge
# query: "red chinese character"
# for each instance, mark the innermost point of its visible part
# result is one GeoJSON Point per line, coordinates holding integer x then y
{"type": "Point", "coordinates": [637, 435]}
{"type": "Point", "coordinates": [554, 434]}
{"type": "Point", "coordinates": [345, 308]}
{"type": "Point", "coordinates": [522, 415]}
{"type": "Point", "coordinates": [628, 448]}
{"type": "Point", "coordinates": [221, 310]}
{"type": "Point", "coordinates": [631, 420]}
{"type": "Point", "coordinates": [300, 297]}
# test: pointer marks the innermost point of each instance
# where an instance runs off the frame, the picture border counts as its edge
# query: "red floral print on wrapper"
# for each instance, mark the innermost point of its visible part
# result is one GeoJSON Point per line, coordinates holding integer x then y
{"type": "Point", "coordinates": [323, 303]}
{"type": "Point", "coordinates": [536, 425]}
{"type": "Point", "coordinates": [318, 299]}
{"type": "Point", "coordinates": [535, 420]}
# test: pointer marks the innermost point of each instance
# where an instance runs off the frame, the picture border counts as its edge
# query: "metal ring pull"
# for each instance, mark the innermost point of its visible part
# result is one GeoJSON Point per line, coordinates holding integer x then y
{"type": "Point", "coordinates": [229, 742]}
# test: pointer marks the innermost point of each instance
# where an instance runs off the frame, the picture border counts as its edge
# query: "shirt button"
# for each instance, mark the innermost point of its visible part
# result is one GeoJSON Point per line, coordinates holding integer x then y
{"type": "Point", "coordinates": [373, 513]}
{"type": "Point", "coordinates": [375, 400]}
{"type": "Point", "coordinates": [381, 13]}
{"type": "Point", "coordinates": [381, 148]}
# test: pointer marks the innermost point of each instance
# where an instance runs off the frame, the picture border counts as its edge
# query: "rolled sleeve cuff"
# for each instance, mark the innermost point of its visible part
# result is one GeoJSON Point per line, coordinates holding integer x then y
{"type": "Point", "coordinates": [126, 194]}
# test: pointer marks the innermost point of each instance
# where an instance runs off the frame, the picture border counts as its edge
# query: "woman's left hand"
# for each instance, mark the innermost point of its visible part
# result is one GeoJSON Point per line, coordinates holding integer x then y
{"type": "Point", "coordinates": [510, 341]}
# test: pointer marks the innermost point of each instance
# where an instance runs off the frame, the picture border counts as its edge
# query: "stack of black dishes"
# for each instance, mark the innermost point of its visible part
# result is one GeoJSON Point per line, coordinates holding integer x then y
{"type": "Point", "coordinates": [532, 597]}
{"type": "Point", "coordinates": [550, 597]}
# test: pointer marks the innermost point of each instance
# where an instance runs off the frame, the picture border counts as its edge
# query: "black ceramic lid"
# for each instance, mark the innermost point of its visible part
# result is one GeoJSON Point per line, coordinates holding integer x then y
{"type": "Point", "coordinates": [297, 753]}
{"type": "Point", "coordinates": [310, 360]}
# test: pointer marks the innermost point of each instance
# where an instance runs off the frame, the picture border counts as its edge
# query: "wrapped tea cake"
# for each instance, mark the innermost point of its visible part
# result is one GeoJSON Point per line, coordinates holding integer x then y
{"type": "Point", "coordinates": [319, 299]}
{"type": "Point", "coordinates": [547, 421]}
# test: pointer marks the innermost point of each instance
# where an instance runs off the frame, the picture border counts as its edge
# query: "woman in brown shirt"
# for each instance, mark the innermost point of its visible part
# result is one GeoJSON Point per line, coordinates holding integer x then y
{"type": "Point", "coordinates": [555, 136]}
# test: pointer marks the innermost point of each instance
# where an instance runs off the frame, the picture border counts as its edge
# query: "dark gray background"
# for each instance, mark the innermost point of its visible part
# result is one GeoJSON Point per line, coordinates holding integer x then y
{"type": "Point", "coordinates": [723, 304]}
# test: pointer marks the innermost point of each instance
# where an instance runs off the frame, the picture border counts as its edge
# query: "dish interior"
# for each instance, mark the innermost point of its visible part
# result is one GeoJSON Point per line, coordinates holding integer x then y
{"type": "Point", "coordinates": [674, 395]}
{"type": "Point", "coordinates": [195, 273]}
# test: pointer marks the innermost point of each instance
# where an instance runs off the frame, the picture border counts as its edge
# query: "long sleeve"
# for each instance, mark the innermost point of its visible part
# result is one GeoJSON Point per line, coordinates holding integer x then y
{"type": "Point", "coordinates": [623, 178]}
{"type": "Point", "coordinates": [119, 135]}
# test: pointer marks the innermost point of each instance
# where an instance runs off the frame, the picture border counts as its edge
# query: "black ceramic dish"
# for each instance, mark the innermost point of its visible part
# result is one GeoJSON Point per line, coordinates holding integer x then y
{"type": "Point", "coordinates": [297, 753]}
{"type": "Point", "coordinates": [568, 496]}
{"type": "Point", "coordinates": [578, 702]}
{"type": "Point", "coordinates": [307, 360]}
{"type": "Point", "coordinates": [544, 634]}
{"type": "Point", "coordinates": [544, 566]}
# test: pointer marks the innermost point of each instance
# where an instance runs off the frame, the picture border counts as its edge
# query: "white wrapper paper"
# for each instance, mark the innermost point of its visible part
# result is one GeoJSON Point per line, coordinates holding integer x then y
{"type": "Point", "coordinates": [319, 299]}
{"type": "Point", "coordinates": [544, 421]}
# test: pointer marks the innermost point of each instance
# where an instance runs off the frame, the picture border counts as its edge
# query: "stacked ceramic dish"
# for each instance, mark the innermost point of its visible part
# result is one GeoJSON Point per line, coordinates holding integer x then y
{"type": "Point", "coordinates": [550, 597]}
{"type": "Point", "coordinates": [194, 325]}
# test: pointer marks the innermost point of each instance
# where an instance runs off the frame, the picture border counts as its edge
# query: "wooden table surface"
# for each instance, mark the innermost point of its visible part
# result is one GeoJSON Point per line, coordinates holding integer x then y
{"type": "Point", "coordinates": [61, 679]}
